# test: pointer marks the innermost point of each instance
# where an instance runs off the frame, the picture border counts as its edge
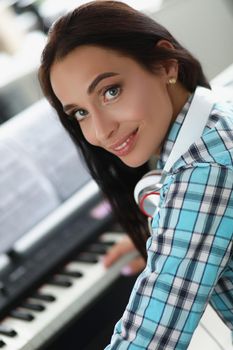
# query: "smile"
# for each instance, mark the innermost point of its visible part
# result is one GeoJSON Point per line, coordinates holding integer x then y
{"type": "Point", "coordinates": [123, 148]}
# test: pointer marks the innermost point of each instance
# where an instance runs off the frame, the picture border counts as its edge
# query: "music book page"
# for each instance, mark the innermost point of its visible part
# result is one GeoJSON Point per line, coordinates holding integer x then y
{"type": "Point", "coordinates": [40, 168]}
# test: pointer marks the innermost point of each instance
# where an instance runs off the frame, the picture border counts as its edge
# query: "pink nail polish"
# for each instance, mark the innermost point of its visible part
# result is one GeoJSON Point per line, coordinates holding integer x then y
{"type": "Point", "coordinates": [126, 271]}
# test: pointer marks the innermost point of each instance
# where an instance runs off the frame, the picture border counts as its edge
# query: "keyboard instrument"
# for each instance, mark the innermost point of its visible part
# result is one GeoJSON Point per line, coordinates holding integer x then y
{"type": "Point", "coordinates": [62, 296]}
{"type": "Point", "coordinates": [67, 293]}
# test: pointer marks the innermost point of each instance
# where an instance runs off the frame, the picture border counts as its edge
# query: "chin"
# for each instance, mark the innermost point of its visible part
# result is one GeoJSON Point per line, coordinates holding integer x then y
{"type": "Point", "coordinates": [134, 163]}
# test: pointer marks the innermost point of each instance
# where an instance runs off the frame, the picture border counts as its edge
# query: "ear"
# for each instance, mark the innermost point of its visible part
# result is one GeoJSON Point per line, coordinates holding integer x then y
{"type": "Point", "coordinates": [170, 65]}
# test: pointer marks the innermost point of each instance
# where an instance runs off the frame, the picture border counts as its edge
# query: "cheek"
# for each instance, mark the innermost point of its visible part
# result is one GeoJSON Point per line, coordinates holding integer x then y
{"type": "Point", "coordinates": [144, 103]}
{"type": "Point", "coordinates": [134, 108]}
{"type": "Point", "coordinates": [88, 133]}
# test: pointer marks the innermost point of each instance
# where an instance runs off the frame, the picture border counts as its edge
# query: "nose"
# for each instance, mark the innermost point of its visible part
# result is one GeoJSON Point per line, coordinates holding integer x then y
{"type": "Point", "coordinates": [104, 125]}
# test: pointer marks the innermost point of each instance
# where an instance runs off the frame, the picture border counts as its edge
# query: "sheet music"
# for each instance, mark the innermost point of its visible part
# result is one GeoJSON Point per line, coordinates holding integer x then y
{"type": "Point", "coordinates": [40, 135]}
{"type": "Point", "coordinates": [39, 169]}
{"type": "Point", "coordinates": [26, 196]}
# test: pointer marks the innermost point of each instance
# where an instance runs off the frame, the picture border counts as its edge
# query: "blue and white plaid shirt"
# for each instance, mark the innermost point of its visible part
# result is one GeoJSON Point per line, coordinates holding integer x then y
{"type": "Point", "coordinates": [190, 262]}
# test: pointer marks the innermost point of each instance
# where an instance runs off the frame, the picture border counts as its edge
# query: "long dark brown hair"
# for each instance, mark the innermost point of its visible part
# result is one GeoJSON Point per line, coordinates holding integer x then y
{"type": "Point", "coordinates": [117, 26]}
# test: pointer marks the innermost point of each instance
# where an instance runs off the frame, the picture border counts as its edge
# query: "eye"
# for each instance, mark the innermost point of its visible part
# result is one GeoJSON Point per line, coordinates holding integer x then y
{"type": "Point", "coordinates": [112, 92]}
{"type": "Point", "coordinates": [80, 114]}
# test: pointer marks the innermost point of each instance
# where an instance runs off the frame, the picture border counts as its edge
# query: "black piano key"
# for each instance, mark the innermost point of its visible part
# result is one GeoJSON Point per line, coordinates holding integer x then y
{"type": "Point", "coordinates": [3, 291]}
{"type": "Point", "coordinates": [9, 332]}
{"type": "Point", "coordinates": [32, 306]}
{"type": "Point", "coordinates": [97, 248]}
{"type": "Point", "coordinates": [69, 273]}
{"type": "Point", "coordinates": [44, 297]}
{"type": "Point", "coordinates": [87, 258]}
{"type": "Point", "coordinates": [60, 281]}
{"type": "Point", "coordinates": [21, 315]}
{"type": "Point", "coordinates": [2, 343]}
{"type": "Point", "coordinates": [106, 243]}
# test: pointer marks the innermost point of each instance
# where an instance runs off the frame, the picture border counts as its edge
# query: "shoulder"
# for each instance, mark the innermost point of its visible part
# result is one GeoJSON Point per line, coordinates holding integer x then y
{"type": "Point", "coordinates": [196, 177]}
{"type": "Point", "coordinates": [207, 183]}
{"type": "Point", "coordinates": [217, 137]}
{"type": "Point", "coordinates": [215, 146]}
{"type": "Point", "coordinates": [221, 117]}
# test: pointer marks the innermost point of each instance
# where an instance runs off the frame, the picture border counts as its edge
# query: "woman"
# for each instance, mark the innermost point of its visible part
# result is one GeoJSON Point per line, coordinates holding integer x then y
{"type": "Point", "coordinates": [122, 87]}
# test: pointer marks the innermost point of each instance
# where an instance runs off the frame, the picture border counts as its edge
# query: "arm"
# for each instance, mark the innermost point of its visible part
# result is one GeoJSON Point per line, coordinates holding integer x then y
{"type": "Point", "coordinates": [187, 253]}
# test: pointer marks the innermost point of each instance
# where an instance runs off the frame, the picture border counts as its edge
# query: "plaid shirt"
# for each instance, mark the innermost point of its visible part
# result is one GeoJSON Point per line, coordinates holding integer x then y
{"type": "Point", "coordinates": [190, 261]}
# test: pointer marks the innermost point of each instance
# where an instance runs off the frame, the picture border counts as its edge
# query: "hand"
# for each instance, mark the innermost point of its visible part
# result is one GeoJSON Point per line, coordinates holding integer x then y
{"type": "Point", "coordinates": [119, 249]}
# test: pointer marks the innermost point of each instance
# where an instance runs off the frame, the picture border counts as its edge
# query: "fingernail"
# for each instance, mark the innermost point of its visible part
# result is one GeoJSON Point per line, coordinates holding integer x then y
{"type": "Point", "coordinates": [126, 271]}
{"type": "Point", "coordinates": [104, 261]}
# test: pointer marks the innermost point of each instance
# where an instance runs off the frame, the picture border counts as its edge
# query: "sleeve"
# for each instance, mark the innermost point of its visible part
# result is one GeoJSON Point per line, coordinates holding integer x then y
{"type": "Point", "coordinates": [188, 251]}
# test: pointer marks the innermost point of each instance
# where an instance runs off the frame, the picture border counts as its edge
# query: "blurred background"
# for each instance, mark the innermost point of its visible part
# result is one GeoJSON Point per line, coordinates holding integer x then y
{"type": "Point", "coordinates": [204, 27]}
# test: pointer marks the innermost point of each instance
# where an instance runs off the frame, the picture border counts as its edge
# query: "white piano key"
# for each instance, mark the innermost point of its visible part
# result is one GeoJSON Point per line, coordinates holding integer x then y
{"type": "Point", "coordinates": [111, 236]}
{"type": "Point", "coordinates": [9, 346]}
{"type": "Point", "coordinates": [22, 341]}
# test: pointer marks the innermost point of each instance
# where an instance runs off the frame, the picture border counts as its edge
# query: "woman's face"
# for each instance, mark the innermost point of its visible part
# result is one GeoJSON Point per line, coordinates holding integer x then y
{"type": "Point", "coordinates": [119, 105]}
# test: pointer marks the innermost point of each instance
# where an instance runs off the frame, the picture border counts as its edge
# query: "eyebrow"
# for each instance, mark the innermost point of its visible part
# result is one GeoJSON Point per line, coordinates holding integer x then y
{"type": "Point", "coordinates": [92, 86]}
{"type": "Point", "coordinates": [99, 77]}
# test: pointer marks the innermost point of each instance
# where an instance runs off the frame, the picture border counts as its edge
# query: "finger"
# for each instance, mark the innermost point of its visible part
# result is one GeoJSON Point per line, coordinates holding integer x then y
{"type": "Point", "coordinates": [134, 267]}
{"type": "Point", "coordinates": [113, 254]}
{"type": "Point", "coordinates": [118, 250]}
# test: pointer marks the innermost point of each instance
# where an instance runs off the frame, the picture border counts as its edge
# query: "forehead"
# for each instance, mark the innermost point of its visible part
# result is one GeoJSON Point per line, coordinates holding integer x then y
{"type": "Point", "coordinates": [77, 70]}
{"type": "Point", "coordinates": [88, 60]}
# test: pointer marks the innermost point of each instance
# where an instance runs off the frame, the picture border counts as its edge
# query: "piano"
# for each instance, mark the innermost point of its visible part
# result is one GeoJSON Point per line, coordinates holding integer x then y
{"type": "Point", "coordinates": [55, 227]}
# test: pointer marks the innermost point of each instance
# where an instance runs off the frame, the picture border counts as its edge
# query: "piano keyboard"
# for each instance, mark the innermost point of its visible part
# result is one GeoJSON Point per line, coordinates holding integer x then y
{"type": "Point", "coordinates": [71, 289]}
{"type": "Point", "coordinates": [62, 298]}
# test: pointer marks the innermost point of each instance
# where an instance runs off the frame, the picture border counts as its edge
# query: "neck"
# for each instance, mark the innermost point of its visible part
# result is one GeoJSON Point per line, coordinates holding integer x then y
{"type": "Point", "coordinates": [179, 96]}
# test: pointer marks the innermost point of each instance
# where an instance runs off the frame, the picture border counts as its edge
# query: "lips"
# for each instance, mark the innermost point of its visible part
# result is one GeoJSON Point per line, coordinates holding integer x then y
{"type": "Point", "coordinates": [125, 145]}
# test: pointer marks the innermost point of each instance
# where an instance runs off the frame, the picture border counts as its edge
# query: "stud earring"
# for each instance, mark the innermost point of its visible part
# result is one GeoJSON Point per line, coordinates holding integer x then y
{"type": "Point", "coordinates": [172, 81]}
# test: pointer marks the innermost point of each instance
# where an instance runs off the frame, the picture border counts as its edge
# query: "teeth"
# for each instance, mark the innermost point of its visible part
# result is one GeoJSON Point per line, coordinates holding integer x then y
{"type": "Point", "coordinates": [122, 145]}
